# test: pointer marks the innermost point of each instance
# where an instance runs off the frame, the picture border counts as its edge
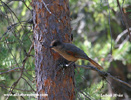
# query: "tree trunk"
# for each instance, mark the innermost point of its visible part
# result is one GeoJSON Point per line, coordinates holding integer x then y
{"type": "Point", "coordinates": [52, 21]}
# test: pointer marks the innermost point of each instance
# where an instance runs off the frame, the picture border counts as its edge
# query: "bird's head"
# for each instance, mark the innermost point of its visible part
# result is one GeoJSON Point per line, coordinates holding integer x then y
{"type": "Point", "coordinates": [56, 44]}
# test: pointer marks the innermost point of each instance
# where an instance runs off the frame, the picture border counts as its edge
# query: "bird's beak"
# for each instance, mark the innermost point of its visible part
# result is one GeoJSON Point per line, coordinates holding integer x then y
{"type": "Point", "coordinates": [51, 47]}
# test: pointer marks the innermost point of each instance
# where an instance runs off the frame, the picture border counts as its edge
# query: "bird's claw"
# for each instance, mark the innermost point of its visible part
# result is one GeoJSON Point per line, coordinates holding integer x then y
{"type": "Point", "coordinates": [64, 65]}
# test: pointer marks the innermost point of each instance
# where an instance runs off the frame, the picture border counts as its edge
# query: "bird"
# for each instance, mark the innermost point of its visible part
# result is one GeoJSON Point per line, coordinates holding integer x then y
{"type": "Point", "coordinates": [71, 52]}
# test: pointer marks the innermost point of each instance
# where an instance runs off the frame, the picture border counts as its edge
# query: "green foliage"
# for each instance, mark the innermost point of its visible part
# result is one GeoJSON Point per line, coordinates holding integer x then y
{"type": "Point", "coordinates": [123, 53]}
{"type": "Point", "coordinates": [91, 30]}
{"type": "Point", "coordinates": [94, 37]}
{"type": "Point", "coordinates": [15, 41]}
{"type": "Point", "coordinates": [95, 90]}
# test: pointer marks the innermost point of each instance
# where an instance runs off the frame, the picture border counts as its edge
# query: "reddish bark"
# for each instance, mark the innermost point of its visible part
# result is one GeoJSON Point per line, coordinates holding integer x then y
{"type": "Point", "coordinates": [52, 21]}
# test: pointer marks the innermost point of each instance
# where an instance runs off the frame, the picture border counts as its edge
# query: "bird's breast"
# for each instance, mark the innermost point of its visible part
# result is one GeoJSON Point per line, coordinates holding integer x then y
{"type": "Point", "coordinates": [66, 55]}
{"type": "Point", "coordinates": [69, 57]}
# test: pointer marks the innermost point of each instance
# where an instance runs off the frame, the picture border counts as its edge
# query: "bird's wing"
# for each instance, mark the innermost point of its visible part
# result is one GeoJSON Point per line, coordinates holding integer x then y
{"type": "Point", "coordinates": [71, 53]}
{"type": "Point", "coordinates": [75, 51]}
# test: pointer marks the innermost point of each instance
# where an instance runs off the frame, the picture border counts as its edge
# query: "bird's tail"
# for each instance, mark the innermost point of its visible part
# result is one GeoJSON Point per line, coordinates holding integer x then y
{"type": "Point", "coordinates": [95, 64]}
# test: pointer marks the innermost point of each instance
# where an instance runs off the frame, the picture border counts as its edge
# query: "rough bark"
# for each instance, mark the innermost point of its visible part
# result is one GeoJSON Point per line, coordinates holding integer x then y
{"type": "Point", "coordinates": [52, 21]}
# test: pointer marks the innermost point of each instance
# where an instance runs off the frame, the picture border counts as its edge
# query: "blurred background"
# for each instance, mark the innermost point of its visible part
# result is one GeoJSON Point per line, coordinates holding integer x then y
{"type": "Point", "coordinates": [98, 28]}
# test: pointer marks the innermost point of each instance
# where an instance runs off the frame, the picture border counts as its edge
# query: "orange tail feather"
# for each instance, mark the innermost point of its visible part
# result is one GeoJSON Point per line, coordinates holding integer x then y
{"type": "Point", "coordinates": [95, 64]}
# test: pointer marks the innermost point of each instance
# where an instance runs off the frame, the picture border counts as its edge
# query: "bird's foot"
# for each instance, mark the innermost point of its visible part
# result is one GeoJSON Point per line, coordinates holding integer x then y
{"type": "Point", "coordinates": [66, 65]}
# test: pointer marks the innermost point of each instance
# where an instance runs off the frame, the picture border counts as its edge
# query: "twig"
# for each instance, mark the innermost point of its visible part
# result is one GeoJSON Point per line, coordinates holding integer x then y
{"type": "Point", "coordinates": [2, 86]}
{"type": "Point", "coordinates": [116, 79]}
{"type": "Point", "coordinates": [110, 27]}
{"type": "Point", "coordinates": [123, 42]}
{"type": "Point", "coordinates": [89, 97]}
{"type": "Point", "coordinates": [19, 23]}
{"type": "Point", "coordinates": [50, 11]}
{"type": "Point", "coordinates": [26, 5]}
{"type": "Point", "coordinates": [12, 12]}
{"type": "Point", "coordinates": [15, 24]}
{"type": "Point", "coordinates": [46, 7]}
{"type": "Point", "coordinates": [11, 1]}
{"type": "Point", "coordinates": [103, 74]}
{"type": "Point", "coordinates": [121, 34]}
{"type": "Point", "coordinates": [8, 28]}
{"type": "Point", "coordinates": [10, 70]}
{"type": "Point", "coordinates": [125, 20]}
{"type": "Point", "coordinates": [22, 70]}
{"type": "Point", "coordinates": [28, 83]}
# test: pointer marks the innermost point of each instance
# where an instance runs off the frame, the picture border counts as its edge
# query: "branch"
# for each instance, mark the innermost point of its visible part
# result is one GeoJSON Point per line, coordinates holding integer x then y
{"type": "Point", "coordinates": [86, 95]}
{"type": "Point", "coordinates": [6, 87]}
{"type": "Point", "coordinates": [22, 70]}
{"type": "Point", "coordinates": [26, 5]}
{"type": "Point", "coordinates": [103, 74]}
{"type": "Point", "coordinates": [10, 70]}
{"type": "Point", "coordinates": [11, 1]}
{"type": "Point", "coordinates": [46, 7]}
{"type": "Point", "coordinates": [50, 11]}
{"type": "Point", "coordinates": [110, 27]}
{"type": "Point", "coordinates": [125, 20]}
{"type": "Point", "coordinates": [30, 21]}
{"type": "Point", "coordinates": [121, 34]}
{"type": "Point", "coordinates": [28, 84]}
{"type": "Point", "coordinates": [12, 12]}
{"type": "Point", "coordinates": [8, 28]}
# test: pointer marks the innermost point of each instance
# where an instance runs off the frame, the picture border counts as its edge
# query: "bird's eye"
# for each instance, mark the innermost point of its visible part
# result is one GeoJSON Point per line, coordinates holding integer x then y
{"type": "Point", "coordinates": [55, 44]}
